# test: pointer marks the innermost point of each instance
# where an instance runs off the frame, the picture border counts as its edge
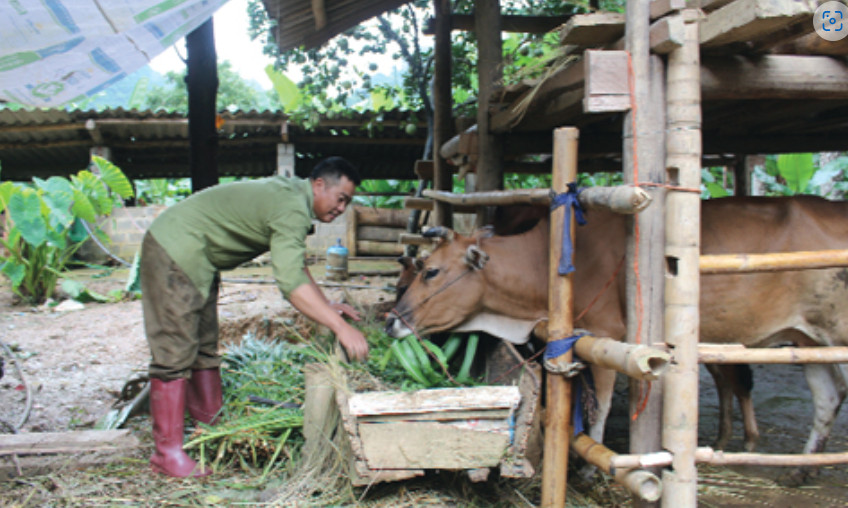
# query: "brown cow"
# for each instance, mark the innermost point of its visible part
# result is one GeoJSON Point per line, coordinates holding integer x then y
{"type": "Point", "coordinates": [500, 284]}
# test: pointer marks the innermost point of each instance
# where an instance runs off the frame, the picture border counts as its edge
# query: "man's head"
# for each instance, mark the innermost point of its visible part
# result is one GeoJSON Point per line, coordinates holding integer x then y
{"type": "Point", "coordinates": [333, 182]}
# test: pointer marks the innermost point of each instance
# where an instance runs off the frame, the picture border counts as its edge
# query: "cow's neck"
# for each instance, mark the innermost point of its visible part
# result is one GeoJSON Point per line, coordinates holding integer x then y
{"type": "Point", "coordinates": [514, 300]}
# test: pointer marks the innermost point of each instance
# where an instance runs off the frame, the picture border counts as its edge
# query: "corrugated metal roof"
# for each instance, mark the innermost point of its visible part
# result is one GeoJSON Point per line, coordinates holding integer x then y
{"type": "Point", "coordinates": [296, 19]}
{"type": "Point", "coordinates": [154, 144]}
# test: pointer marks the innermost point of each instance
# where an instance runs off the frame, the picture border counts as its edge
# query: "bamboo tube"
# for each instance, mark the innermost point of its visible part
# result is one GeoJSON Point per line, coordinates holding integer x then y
{"type": "Point", "coordinates": [737, 353]}
{"type": "Point", "coordinates": [637, 361]}
{"type": "Point", "coordinates": [719, 458]}
{"type": "Point", "coordinates": [625, 199]}
{"type": "Point", "coordinates": [772, 262]}
{"type": "Point", "coordinates": [683, 226]}
{"type": "Point", "coordinates": [644, 484]}
{"type": "Point", "coordinates": [560, 324]}
{"type": "Point", "coordinates": [706, 455]}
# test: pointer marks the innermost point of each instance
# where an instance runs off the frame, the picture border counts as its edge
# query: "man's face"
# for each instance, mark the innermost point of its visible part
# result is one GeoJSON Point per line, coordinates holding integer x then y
{"type": "Point", "coordinates": [331, 200]}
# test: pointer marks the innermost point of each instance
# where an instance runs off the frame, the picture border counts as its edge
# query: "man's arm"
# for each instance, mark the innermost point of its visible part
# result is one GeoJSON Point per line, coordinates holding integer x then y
{"type": "Point", "coordinates": [309, 300]}
{"type": "Point", "coordinates": [341, 308]}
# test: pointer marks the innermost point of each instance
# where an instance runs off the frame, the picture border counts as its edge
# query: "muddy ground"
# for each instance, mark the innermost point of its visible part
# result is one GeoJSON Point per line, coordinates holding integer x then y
{"type": "Point", "coordinates": [76, 362]}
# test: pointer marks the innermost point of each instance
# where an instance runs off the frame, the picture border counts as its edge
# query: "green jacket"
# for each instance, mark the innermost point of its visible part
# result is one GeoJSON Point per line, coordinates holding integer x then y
{"type": "Point", "coordinates": [224, 226]}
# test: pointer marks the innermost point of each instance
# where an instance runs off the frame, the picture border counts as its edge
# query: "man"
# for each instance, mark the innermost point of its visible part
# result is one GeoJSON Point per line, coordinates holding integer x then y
{"type": "Point", "coordinates": [181, 256]}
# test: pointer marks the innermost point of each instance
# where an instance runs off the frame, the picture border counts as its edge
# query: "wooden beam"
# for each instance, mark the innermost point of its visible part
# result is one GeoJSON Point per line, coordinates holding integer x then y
{"type": "Point", "coordinates": [660, 8]}
{"type": "Point", "coordinates": [774, 77]}
{"type": "Point", "coordinates": [746, 20]}
{"type": "Point", "coordinates": [319, 12]}
{"type": "Point", "coordinates": [509, 23]}
{"type": "Point", "coordinates": [591, 30]}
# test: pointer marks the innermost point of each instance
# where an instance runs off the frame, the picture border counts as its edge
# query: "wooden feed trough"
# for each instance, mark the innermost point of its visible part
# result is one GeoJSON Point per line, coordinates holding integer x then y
{"type": "Point", "coordinates": [394, 435]}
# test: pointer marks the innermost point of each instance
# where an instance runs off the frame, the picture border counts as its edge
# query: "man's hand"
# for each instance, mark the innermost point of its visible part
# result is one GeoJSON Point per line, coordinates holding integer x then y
{"type": "Point", "coordinates": [354, 343]}
{"type": "Point", "coordinates": [345, 310]}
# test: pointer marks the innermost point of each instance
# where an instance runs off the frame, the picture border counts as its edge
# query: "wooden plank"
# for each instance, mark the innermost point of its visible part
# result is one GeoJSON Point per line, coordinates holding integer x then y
{"type": "Point", "coordinates": [436, 446]}
{"type": "Point", "coordinates": [429, 401]}
{"type": "Point", "coordinates": [606, 86]}
{"type": "Point", "coordinates": [592, 30]}
{"type": "Point", "coordinates": [747, 20]}
{"type": "Point", "coordinates": [424, 169]}
{"type": "Point", "coordinates": [440, 416]}
{"type": "Point", "coordinates": [66, 442]}
{"type": "Point", "coordinates": [369, 248]}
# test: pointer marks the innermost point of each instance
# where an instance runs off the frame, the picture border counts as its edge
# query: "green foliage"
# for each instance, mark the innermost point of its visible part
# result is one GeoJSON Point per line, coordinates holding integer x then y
{"type": "Point", "coordinates": [710, 186]}
{"type": "Point", "coordinates": [42, 224]}
{"type": "Point", "coordinates": [253, 433]}
{"type": "Point", "coordinates": [383, 187]}
{"type": "Point", "coordinates": [234, 93]}
{"type": "Point", "coordinates": [162, 191]}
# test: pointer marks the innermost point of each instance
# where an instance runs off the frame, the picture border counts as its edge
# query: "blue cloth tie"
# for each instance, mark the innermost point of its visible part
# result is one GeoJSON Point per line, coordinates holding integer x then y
{"type": "Point", "coordinates": [557, 348]}
{"type": "Point", "coordinates": [569, 200]}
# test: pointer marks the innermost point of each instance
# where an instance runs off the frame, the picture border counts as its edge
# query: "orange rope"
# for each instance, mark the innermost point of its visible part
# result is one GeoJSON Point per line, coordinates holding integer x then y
{"type": "Point", "coordinates": [636, 231]}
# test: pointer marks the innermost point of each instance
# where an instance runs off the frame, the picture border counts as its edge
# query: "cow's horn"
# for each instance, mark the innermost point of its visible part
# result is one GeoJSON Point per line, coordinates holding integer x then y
{"type": "Point", "coordinates": [476, 257]}
{"type": "Point", "coordinates": [439, 232]}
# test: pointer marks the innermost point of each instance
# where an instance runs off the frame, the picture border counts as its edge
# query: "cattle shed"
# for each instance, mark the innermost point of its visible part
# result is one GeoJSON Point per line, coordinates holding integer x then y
{"type": "Point", "coordinates": [656, 92]}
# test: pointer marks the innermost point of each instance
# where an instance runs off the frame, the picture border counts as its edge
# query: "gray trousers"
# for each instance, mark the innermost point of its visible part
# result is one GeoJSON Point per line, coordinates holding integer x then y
{"type": "Point", "coordinates": [181, 326]}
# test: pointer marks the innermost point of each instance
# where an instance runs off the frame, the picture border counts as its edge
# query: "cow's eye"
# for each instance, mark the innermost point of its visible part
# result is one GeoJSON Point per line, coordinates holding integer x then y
{"type": "Point", "coordinates": [430, 273]}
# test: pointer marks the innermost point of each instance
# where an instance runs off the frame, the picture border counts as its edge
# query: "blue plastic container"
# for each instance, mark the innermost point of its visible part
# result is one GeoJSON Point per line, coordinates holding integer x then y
{"type": "Point", "coordinates": [337, 261]}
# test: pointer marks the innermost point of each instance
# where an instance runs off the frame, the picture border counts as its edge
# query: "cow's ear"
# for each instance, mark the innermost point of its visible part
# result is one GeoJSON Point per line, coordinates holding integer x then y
{"type": "Point", "coordinates": [439, 232]}
{"type": "Point", "coordinates": [475, 257]}
{"type": "Point", "coordinates": [405, 261]}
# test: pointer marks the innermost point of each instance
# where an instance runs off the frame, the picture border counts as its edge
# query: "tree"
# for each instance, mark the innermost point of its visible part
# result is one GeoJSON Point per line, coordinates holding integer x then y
{"type": "Point", "coordinates": [234, 93]}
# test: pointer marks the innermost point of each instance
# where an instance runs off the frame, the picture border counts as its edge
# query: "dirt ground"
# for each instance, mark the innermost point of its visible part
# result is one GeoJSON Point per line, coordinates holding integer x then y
{"type": "Point", "coordinates": [76, 362]}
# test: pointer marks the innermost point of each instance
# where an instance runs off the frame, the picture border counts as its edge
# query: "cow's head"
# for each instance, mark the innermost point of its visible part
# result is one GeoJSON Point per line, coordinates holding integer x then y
{"type": "Point", "coordinates": [446, 288]}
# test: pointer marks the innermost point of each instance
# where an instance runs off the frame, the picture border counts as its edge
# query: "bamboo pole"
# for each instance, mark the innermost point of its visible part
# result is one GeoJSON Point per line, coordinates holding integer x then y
{"type": "Point", "coordinates": [636, 361]}
{"type": "Point", "coordinates": [560, 325]}
{"type": "Point", "coordinates": [737, 353]}
{"type": "Point", "coordinates": [624, 199]}
{"type": "Point", "coordinates": [683, 226]}
{"type": "Point", "coordinates": [706, 455]}
{"type": "Point", "coordinates": [644, 484]}
{"type": "Point", "coordinates": [772, 262]}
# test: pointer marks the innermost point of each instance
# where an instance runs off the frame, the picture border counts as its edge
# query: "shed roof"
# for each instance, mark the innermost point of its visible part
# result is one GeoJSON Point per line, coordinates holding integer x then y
{"type": "Point", "coordinates": [310, 23]}
{"type": "Point", "coordinates": [154, 144]}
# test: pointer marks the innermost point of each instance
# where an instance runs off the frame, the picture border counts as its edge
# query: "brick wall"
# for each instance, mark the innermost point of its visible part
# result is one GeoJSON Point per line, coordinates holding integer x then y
{"type": "Point", "coordinates": [126, 227]}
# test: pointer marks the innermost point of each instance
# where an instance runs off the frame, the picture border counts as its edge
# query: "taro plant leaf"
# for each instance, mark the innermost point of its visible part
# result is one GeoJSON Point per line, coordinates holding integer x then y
{"type": "Point", "coordinates": [25, 212]}
{"type": "Point", "coordinates": [59, 203]}
{"type": "Point", "coordinates": [796, 169]}
{"type": "Point", "coordinates": [14, 271]}
{"type": "Point", "coordinates": [113, 177]}
{"type": "Point", "coordinates": [6, 191]}
{"type": "Point", "coordinates": [83, 207]}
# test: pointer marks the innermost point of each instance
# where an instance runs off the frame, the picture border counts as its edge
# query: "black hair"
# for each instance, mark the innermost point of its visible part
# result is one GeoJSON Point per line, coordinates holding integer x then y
{"type": "Point", "coordinates": [333, 168]}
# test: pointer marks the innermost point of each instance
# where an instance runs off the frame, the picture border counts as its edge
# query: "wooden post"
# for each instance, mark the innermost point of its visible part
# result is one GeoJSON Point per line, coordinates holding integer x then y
{"type": "Point", "coordinates": [683, 228]}
{"type": "Point", "coordinates": [644, 145]}
{"type": "Point", "coordinates": [202, 84]}
{"type": "Point", "coordinates": [487, 14]}
{"type": "Point", "coordinates": [442, 117]}
{"type": "Point", "coordinates": [560, 325]}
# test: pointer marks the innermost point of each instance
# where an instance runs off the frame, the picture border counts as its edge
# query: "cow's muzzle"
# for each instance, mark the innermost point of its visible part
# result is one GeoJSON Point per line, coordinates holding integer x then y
{"type": "Point", "coordinates": [395, 326]}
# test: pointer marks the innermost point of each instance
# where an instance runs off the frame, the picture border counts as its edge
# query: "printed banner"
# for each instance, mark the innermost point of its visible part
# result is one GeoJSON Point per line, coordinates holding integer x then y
{"type": "Point", "coordinates": [57, 51]}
